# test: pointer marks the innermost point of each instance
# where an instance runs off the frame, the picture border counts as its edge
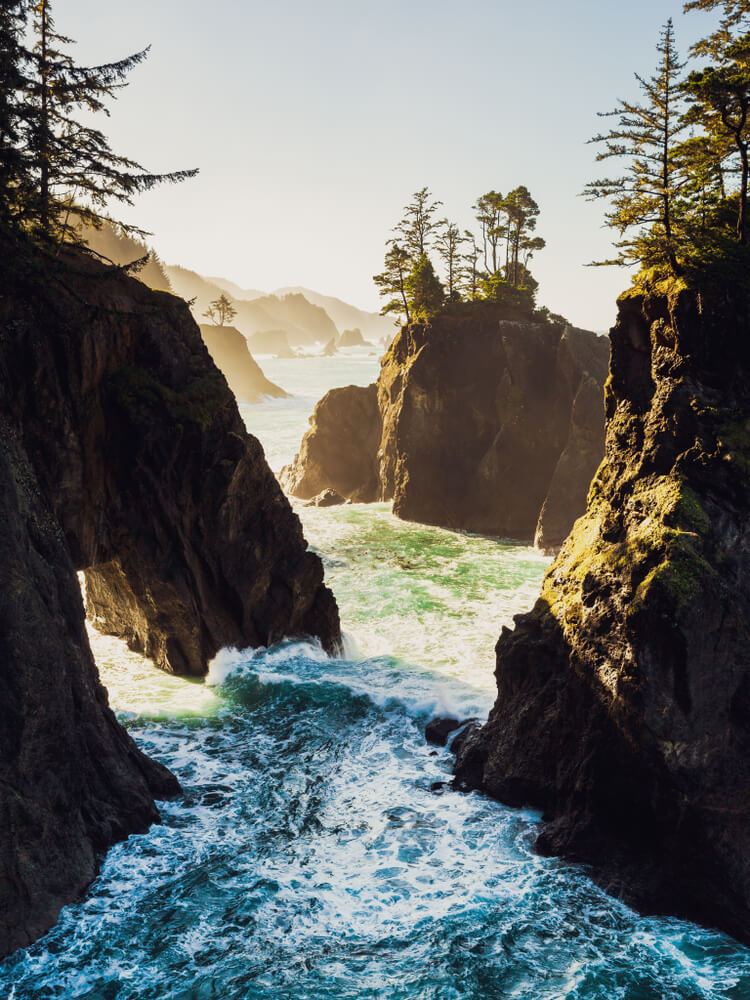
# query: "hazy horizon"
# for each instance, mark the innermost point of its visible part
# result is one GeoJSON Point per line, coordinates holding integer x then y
{"type": "Point", "coordinates": [312, 128]}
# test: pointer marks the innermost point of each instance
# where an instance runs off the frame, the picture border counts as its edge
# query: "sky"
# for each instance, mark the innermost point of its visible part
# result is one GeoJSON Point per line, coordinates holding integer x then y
{"type": "Point", "coordinates": [313, 123]}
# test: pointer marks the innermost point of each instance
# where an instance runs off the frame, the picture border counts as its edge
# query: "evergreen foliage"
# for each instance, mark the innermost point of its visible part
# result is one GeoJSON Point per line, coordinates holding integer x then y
{"type": "Point", "coordinates": [645, 135]}
{"type": "Point", "coordinates": [58, 173]}
{"type": "Point", "coordinates": [680, 207]}
{"type": "Point", "coordinates": [221, 311]}
{"type": "Point", "coordinates": [424, 290]}
{"type": "Point", "coordinates": [391, 281]}
{"type": "Point", "coordinates": [412, 288]}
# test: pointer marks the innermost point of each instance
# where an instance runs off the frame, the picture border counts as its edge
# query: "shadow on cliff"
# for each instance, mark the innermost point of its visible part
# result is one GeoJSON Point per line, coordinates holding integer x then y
{"type": "Point", "coordinates": [122, 453]}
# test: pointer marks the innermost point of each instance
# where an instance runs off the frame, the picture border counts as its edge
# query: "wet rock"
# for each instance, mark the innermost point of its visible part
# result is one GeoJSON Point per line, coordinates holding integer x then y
{"type": "Point", "coordinates": [439, 729]}
{"type": "Point", "coordinates": [328, 498]}
{"type": "Point", "coordinates": [623, 708]}
{"type": "Point", "coordinates": [467, 731]}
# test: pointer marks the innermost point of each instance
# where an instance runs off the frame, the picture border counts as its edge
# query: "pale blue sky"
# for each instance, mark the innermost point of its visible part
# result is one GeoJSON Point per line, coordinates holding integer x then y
{"type": "Point", "coordinates": [312, 124]}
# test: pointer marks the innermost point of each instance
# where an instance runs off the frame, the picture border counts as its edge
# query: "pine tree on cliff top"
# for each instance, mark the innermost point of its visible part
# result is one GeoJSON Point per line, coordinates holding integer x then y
{"type": "Point", "coordinates": [13, 66]}
{"type": "Point", "coordinates": [70, 170]}
{"type": "Point", "coordinates": [719, 98]}
{"type": "Point", "coordinates": [644, 197]}
{"type": "Point", "coordinates": [391, 281]}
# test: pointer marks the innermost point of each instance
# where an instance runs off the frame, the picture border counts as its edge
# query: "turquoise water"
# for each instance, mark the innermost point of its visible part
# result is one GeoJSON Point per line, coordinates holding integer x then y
{"type": "Point", "coordinates": [317, 852]}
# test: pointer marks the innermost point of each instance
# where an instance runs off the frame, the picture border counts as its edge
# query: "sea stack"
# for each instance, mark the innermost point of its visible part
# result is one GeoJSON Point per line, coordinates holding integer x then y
{"type": "Point", "coordinates": [623, 707]}
{"type": "Point", "coordinates": [483, 419]}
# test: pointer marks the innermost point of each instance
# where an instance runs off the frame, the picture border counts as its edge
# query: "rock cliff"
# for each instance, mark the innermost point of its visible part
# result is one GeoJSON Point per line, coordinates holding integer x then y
{"type": "Point", "coordinates": [121, 453]}
{"type": "Point", "coordinates": [623, 707]}
{"type": "Point", "coordinates": [483, 421]}
{"type": "Point", "coordinates": [230, 354]}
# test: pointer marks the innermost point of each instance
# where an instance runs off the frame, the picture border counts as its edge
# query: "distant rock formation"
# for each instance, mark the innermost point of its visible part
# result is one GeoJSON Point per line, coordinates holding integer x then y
{"type": "Point", "coordinates": [230, 354]}
{"type": "Point", "coordinates": [372, 324]}
{"type": "Point", "coordinates": [305, 324]}
{"type": "Point", "coordinates": [479, 421]}
{"type": "Point", "coordinates": [273, 342]}
{"type": "Point", "coordinates": [330, 350]}
{"type": "Point", "coordinates": [122, 453]}
{"type": "Point", "coordinates": [623, 708]}
{"type": "Point", "coordinates": [353, 338]}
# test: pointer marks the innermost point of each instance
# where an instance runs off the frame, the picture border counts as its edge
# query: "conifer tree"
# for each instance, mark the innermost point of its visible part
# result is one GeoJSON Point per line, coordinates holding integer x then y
{"type": "Point", "coordinates": [645, 135]}
{"type": "Point", "coordinates": [221, 311]}
{"type": "Point", "coordinates": [391, 281]}
{"type": "Point", "coordinates": [448, 243]}
{"type": "Point", "coordinates": [719, 98]}
{"type": "Point", "coordinates": [418, 224]}
{"type": "Point", "coordinates": [470, 269]}
{"type": "Point", "coordinates": [424, 290]}
{"type": "Point", "coordinates": [489, 209]}
{"type": "Point", "coordinates": [521, 212]}
{"type": "Point", "coordinates": [70, 165]}
{"type": "Point", "coordinates": [13, 66]}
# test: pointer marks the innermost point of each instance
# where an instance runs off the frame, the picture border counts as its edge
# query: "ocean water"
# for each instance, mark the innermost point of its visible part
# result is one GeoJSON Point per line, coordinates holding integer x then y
{"type": "Point", "coordinates": [318, 851]}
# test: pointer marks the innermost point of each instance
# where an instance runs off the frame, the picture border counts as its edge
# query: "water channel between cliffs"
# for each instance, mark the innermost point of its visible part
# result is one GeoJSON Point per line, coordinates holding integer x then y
{"type": "Point", "coordinates": [316, 853]}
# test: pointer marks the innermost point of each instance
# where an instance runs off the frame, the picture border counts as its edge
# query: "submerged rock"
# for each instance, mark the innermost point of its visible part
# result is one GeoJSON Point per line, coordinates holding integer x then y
{"type": "Point", "coordinates": [122, 453]}
{"type": "Point", "coordinates": [328, 498]}
{"type": "Point", "coordinates": [478, 422]}
{"type": "Point", "coordinates": [230, 353]}
{"type": "Point", "coordinates": [439, 729]}
{"type": "Point", "coordinates": [623, 706]}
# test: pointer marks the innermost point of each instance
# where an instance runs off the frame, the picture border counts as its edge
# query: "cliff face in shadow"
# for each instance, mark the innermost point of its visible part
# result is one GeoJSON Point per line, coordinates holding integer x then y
{"type": "Point", "coordinates": [482, 422]}
{"type": "Point", "coordinates": [623, 706]}
{"type": "Point", "coordinates": [230, 353]}
{"type": "Point", "coordinates": [121, 453]}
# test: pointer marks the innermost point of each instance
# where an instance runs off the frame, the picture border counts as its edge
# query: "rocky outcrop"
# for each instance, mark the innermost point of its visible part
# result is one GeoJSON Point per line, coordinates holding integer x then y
{"type": "Point", "coordinates": [484, 422]}
{"type": "Point", "coordinates": [273, 342]}
{"type": "Point", "coordinates": [228, 348]}
{"type": "Point", "coordinates": [353, 338]}
{"type": "Point", "coordinates": [122, 454]}
{"type": "Point", "coordinates": [72, 780]}
{"type": "Point", "coordinates": [339, 452]}
{"type": "Point", "coordinates": [623, 707]}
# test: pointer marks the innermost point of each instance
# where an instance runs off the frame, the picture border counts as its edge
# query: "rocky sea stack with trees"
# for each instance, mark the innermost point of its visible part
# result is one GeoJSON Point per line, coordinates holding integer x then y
{"type": "Point", "coordinates": [488, 413]}
{"type": "Point", "coordinates": [622, 708]}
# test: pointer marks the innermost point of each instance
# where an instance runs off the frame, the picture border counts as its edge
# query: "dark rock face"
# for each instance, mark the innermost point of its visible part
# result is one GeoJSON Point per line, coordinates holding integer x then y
{"type": "Point", "coordinates": [623, 706]}
{"type": "Point", "coordinates": [73, 782]}
{"type": "Point", "coordinates": [339, 452]}
{"type": "Point", "coordinates": [122, 453]}
{"type": "Point", "coordinates": [230, 354]}
{"type": "Point", "coordinates": [483, 423]}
